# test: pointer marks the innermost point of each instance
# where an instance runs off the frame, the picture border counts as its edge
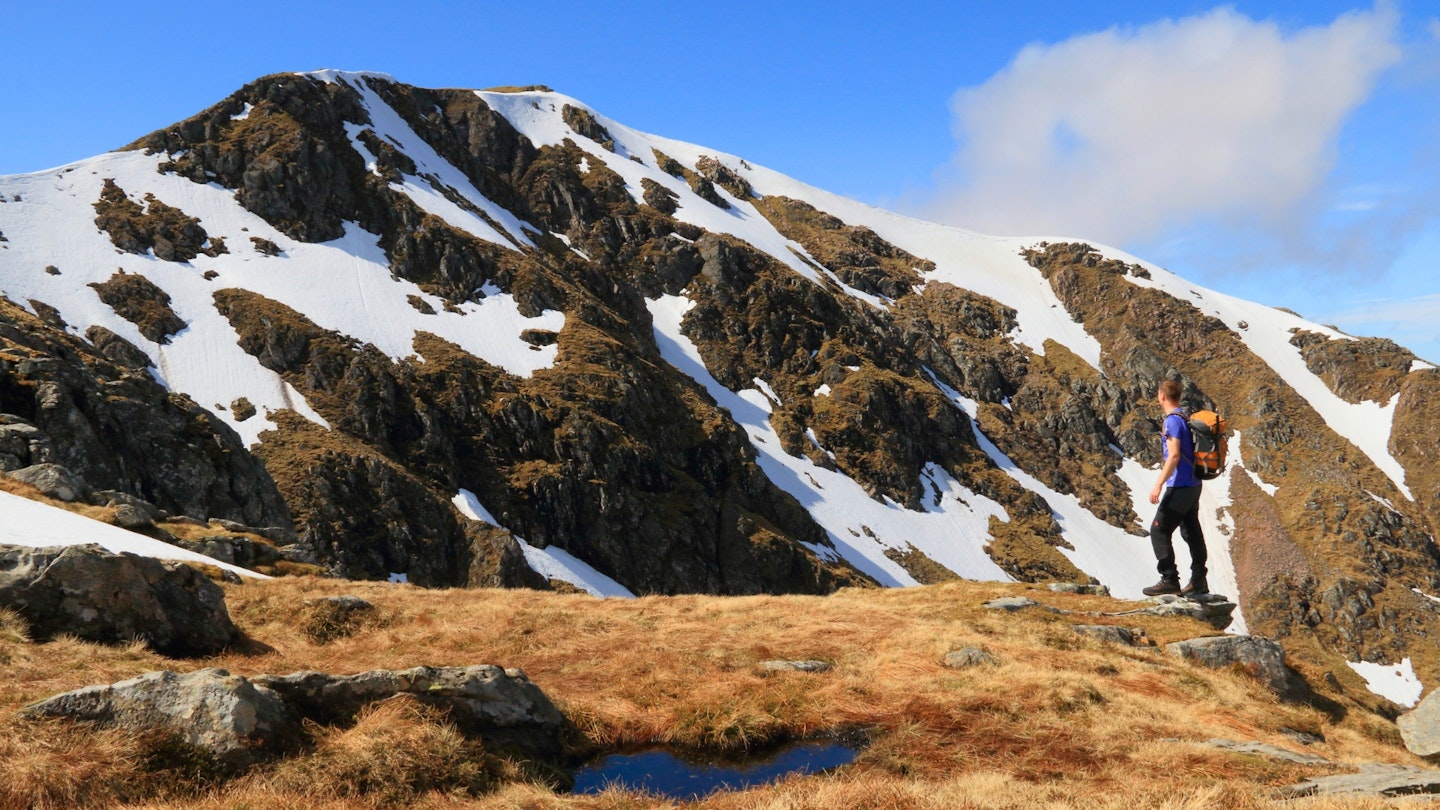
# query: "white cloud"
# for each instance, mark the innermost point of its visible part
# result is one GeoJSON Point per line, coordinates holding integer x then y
{"type": "Point", "coordinates": [1119, 135]}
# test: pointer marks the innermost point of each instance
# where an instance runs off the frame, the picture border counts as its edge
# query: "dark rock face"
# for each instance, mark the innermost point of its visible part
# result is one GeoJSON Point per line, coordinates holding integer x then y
{"type": "Point", "coordinates": [113, 427]}
{"type": "Point", "coordinates": [91, 593]}
{"type": "Point", "coordinates": [224, 715]}
{"type": "Point", "coordinates": [584, 123]}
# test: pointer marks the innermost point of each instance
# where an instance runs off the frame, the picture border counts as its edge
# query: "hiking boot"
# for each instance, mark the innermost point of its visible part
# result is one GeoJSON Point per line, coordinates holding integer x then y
{"type": "Point", "coordinates": [1164, 586]}
{"type": "Point", "coordinates": [1195, 587]}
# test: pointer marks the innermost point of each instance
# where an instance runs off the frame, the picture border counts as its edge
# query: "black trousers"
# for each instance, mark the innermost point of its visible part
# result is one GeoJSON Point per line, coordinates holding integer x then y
{"type": "Point", "coordinates": [1178, 507]}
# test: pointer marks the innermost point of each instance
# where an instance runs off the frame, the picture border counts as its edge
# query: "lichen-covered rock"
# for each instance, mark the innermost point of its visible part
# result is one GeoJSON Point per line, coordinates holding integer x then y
{"type": "Point", "coordinates": [226, 716]}
{"type": "Point", "coordinates": [94, 594]}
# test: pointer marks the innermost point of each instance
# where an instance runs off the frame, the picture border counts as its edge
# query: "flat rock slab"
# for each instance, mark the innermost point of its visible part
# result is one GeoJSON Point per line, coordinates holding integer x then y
{"type": "Point", "coordinates": [1071, 587]}
{"type": "Point", "coordinates": [793, 666]}
{"type": "Point", "coordinates": [1211, 608]}
{"type": "Point", "coordinates": [1420, 727]}
{"type": "Point", "coordinates": [1010, 604]}
{"type": "Point", "coordinates": [1372, 780]}
{"type": "Point", "coordinates": [1265, 750]}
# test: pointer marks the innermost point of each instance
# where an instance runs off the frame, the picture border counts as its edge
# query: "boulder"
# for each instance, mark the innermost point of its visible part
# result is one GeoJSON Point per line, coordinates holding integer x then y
{"type": "Point", "coordinates": [1010, 604]}
{"type": "Point", "coordinates": [1262, 658]}
{"type": "Point", "coordinates": [228, 716]}
{"type": "Point", "coordinates": [967, 657]}
{"type": "Point", "coordinates": [1116, 635]}
{"type": "Point", "coordinates": [1074, 587]}
{"type": "Point", "coordinates": [105, 597]}
{"type": "Point", "coordinates": [53, 480]}
{"type": "Point", "coordinates": [1420, 727]}
{"type": "Point", "coordinates": [496, 704]}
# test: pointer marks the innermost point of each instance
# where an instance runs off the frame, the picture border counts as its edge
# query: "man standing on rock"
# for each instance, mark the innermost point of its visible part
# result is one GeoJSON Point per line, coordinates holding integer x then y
{"type": "Point", "coordinates": [1177, 492]}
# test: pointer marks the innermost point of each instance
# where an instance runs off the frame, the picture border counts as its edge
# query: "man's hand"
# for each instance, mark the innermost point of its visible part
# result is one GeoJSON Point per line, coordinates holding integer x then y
{"type": "Point", "coordinates": [1155, 492]}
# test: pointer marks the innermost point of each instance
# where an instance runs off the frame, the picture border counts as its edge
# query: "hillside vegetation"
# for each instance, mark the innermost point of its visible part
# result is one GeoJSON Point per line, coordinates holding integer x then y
{"type": "Point", "coordinates": [1059, 719]}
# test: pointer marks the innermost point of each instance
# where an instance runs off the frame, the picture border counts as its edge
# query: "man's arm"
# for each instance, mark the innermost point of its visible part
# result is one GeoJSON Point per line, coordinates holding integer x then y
{"type": "Point", "coordinates": [1172, 460]}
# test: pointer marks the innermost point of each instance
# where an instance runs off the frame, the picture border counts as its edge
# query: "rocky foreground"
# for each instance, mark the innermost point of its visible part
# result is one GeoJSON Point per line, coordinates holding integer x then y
{"type": "Point", "coordinates": [335, 693]}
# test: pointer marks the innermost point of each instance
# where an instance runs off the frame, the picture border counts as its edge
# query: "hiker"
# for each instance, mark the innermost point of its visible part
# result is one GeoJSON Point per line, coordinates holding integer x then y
{"type": "Point", "coordinates": [1177, 494]}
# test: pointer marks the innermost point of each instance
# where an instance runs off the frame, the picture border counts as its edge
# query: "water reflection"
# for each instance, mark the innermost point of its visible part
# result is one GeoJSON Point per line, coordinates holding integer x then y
{"type": "Point", "coordinates": [664, 773]}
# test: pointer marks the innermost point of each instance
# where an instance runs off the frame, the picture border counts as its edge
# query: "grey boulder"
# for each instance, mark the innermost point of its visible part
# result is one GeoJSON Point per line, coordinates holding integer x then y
{"type": "Point", "coordinates": [94, 594]}
{"type": "Point", "coordinates": [1420, 727]}
{"type": "Point", "coordinates": [1262, 658]}
{"type": "Point", "coordinates": [231, 718]}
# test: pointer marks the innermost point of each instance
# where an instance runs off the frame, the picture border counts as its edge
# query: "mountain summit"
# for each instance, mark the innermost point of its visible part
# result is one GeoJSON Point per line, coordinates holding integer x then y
{"type": "Point", "coordinates": [493, 337]}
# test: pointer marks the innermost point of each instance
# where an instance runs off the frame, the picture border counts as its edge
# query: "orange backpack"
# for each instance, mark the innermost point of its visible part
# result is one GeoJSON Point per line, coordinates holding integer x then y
{"type": "Point", "coordinates": [1207, 434]}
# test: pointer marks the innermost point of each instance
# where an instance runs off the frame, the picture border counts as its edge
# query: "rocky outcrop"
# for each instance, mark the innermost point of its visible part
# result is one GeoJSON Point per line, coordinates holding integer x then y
{"type": "Point", "coordinates": [1263, 659]}
{"type": "Point", "coordinates": [173, 235]}
{"type": "Point", "coordinates": [583, 122]}
{"type": "Point", "coordinates": [137, 300]}
{"type": "Point", "coordinates": [96, 595]}
{"type": "Point", "coordinates": [497, 704]}
{"type": "Point", "coordinates": [1356, 369]}
{"type": "Point", "coordinates": [240, 721]}
{"type": "Point", "coordinates": [114, 428]}
{"type": "Point", "coordinates": [225, 716]}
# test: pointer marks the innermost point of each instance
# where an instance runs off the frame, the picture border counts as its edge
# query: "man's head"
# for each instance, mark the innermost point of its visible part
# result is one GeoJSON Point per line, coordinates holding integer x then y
{"type": "Point", "coordinates": [1169, 394]}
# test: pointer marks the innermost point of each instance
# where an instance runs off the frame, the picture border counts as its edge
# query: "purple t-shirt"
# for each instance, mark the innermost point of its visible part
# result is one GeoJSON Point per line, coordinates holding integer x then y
{"type": "Point", "coordinates": [1178, 427]}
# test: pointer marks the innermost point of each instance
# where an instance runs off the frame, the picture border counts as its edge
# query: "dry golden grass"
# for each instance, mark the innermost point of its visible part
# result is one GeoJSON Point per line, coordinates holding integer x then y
{"type": "Point", "coordinates": [1061, 721]}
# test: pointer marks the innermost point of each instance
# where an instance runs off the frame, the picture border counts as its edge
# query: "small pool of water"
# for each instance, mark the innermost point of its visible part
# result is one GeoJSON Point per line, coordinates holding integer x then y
{"type": "Point", "coordinates": [664, 773]}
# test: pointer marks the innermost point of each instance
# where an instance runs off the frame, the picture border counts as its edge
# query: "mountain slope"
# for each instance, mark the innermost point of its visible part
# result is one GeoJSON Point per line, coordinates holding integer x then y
{"type": "Point", "coordinates": [463, 329]}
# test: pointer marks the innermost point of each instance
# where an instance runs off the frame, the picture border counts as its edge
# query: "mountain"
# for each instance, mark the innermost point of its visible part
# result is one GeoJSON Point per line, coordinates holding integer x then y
{"type": "Point", "coordinates": [477, 338]}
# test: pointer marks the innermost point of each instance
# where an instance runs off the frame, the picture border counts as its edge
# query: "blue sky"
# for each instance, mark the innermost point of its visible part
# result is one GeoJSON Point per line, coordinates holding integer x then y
{"type": "Point", "coordinates": [1286, 152]}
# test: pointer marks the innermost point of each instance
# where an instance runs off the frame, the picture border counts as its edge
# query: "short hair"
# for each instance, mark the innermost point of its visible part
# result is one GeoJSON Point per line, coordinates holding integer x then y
{"type": "Point", "coordinates": [1171, 389]}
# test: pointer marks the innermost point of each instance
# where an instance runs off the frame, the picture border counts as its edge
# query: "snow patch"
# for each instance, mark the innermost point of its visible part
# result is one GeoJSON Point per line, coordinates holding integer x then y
{"type": "Point", "coordinates": [557, 563]}
{"type": "Point", "coordinates": [34, 524]}
{"type": "Point", "coordinates": [1394, 682]}
{"type": "Point", "coordinates": [553, 562]}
